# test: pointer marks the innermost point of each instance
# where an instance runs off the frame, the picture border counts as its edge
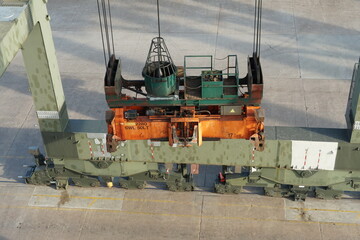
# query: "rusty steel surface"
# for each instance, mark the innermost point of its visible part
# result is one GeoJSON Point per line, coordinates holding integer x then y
{"type": "Point", "coordinates": [210, 126]}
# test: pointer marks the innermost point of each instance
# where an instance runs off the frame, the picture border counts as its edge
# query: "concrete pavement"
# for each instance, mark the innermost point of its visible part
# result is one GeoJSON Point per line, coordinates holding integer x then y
{"type": "Point", "coordinates": [308, 51]}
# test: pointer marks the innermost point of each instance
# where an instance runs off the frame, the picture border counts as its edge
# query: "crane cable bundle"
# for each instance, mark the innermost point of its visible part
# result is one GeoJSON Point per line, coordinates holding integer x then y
{"type": "Point", "coordinates": [106, 28]}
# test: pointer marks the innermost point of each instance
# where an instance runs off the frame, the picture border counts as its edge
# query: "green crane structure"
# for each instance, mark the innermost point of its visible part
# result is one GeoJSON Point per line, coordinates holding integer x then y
{"type": "Point", "coordinates": [295, 161]}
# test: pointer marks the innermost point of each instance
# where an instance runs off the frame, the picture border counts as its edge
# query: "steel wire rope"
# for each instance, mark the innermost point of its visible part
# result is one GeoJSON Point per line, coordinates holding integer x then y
{"type": "Point", "coordinates": [254, 40]}
{"type": "Point", "coordinates": [102, 34]}
{"type": "Point", "coordinates": [111, 28]}
{"type": "Point", "coordinates": [257, 27]}
{"type": "Point", "coordinates": [106, 27]}
{"type": "Point", "coordinates": [159, 38]}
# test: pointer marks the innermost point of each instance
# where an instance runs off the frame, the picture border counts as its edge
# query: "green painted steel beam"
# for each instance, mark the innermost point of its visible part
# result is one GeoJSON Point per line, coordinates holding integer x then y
{"type": "Point", "coordinates": [26, 26]}
{"type": "Point", "coordinates": [15, 26]}
{"type": "Point", "coordinates": [85, 140]}
{"type": "Point", "coordinates": [354, 106]}
{"type": "Point", "coordinates": [43, 71]}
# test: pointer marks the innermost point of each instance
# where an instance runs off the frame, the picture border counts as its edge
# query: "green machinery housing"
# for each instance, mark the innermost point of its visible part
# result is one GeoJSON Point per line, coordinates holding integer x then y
{"type": "Point", "coordinates": [296, 161]}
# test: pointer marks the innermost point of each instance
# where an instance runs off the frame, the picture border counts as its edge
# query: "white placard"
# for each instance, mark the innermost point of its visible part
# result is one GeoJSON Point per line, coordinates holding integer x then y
{"type": "Point", "coordinates": [357, 125]}
{"type": "Point", "coordinates": [48, 114]}
{"type": "Point", "coordinates": [308, 155]}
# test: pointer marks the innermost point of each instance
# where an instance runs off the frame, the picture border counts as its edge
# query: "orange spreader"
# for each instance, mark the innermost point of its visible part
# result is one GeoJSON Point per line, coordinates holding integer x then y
{"type": "Point", "coordinates": [185, 126]}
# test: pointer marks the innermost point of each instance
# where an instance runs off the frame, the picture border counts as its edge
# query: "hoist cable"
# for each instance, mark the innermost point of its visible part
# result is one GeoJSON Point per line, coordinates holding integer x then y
{"type": "Point", "coordinates": [260, 26]}
{"type": "Point", "coordinates": [159, 41]}
{"type": "Point", "coordinates": [158, 16]}
{"type": "Point", "coordinates": [106, 27]}
{"type": "Point", "coordinates": [257, 27]}
{"type": "Point", "coordinates": [102, 35]}
{"type": "Point", "coordinates": [255, 14]}
{"type": "Point", "coordinates": [111, 28]}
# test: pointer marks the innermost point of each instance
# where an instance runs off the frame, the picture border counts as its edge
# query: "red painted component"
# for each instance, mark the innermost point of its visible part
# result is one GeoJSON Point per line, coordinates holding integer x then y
{"type": "Point", "coordinates": [221, 178]}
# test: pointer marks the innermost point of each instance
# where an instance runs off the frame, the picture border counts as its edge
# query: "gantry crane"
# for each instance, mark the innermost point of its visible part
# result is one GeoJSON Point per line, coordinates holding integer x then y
{"type": "Point", "coordinates": [212, 118]}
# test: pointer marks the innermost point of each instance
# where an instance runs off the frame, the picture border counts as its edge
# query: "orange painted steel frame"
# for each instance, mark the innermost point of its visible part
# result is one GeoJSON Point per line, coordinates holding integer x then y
{"type": "Point", "coordinates": [160, 126]}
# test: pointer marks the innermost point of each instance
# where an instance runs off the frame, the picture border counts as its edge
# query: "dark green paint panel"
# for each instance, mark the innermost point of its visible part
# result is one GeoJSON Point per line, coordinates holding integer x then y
{"type": "Point", "coordinates": [60, 145]}
{"type": "Point", "coordinates": [316, 178]}
{"type": "Point", "coordinates": [223, 152]}
{"type": "Point", "coordinates": [86, 126]}
{"type": "Point", "coordinates": [348, 157]}
{"type": "Point", "coordinates": [108, 168]}
{"type": "Point", "coordinates": [307, 134]}
{"type": "Point", "coordinates": [284, 153]}
{"type": "Point", "coordinates": [353, 109]}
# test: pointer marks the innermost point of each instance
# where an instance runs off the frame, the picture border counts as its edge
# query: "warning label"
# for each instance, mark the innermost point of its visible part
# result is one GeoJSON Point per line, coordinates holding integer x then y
{"type": "Point", "coordinates": [137, 126]}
